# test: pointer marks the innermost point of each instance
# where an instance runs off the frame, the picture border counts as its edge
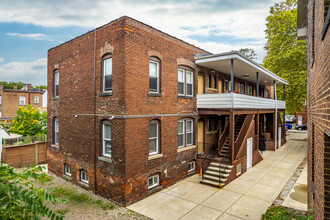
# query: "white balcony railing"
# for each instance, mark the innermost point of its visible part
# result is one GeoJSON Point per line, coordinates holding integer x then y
{"type": "Point", "coordinates": [236, 101]}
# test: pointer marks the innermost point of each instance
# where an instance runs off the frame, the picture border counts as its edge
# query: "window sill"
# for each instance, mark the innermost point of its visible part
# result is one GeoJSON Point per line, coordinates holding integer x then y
{"type": "Point", "coordinates": [105, 94]}
{"type": "Point", "coordinates": [154, 189]}
{"type": "Point", "coordinates": [55, 146]}
{"type": "Point", "coordinates": [83, 184]}
{"type": "Point", "coordinates": [152, 157]}
{"type": "Point", "coordinates": [105, 159]}
{"type": "Point", "coordinates": [186, 148]}
{"type": "Point", "coordinates": [185, 97]}
{"type": "Point", "coordinates": [154, 94]}
{"type": "Point", "coordinates": [55, 98]}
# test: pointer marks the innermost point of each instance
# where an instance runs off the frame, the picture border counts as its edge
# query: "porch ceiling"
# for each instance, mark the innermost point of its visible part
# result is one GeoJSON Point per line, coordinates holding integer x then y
{"type": "Point", "coordinates": [244, 68]}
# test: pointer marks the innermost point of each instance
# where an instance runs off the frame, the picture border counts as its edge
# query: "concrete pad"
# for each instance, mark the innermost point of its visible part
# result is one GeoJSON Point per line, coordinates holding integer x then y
{"type": "Point", "coordinates": [195, 178]}
{"type": "Point", "coordinates": [288, 165]}
{"type": "Point", "coordinates": [274, 181]}
{"type": "Point", "coordinates": [249, 208]}
{"type": "Point", "coordinates": [238, 186]}
{"type": "Point", "coordinates": [226, 216]}
{"type": "Point", "coordinates": [163, 206]}
{"type": "Point", "coordinates": [276, 171]}
{"type": "Point", "coordinates": [263, 192]}
{"type": "Point", "coordinates": [202, 212]}
{"type": "Point", "coordinates": [222, 200]}
{"type": "Point", "coordinates": [186, 190]}
{"type": "Point", "coordinates": [251, 178]}
{"type": "Point", "coordinates": [297, 198]}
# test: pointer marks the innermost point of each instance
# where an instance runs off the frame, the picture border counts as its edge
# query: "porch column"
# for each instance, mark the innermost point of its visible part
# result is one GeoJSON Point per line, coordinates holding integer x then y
{"type": "Point", "coordinates": [231, 133]}
{"type": "Point", "coordinates": [257, 84]}
{"type": "Point", "coordinates": [257, 121]}
{"type": "Point", "coordinates": [232, 74]}
{"type": "Point", "coordinates": [284, 112]}
{"type": "Point", "coordinates": [274, 89]}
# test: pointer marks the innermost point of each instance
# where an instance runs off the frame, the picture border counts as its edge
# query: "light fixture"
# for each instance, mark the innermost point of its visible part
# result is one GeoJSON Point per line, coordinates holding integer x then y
{"type": "Point", "coordinates": [265, 81]}
{"type": "Point", "coordinates": [246, 75]}
{"type": "Point", "coordinates": [76, 115]}
{"type": "Point", "coordinates": [112, 117]}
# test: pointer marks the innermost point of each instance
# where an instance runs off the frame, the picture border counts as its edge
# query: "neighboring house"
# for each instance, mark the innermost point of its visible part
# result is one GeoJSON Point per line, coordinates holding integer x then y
{"type": "Point", "coordinates": [12, 99]}
{"type": "Point", "coordinates": [132, 110]}
{"type": "Point", "coordinates": [313, 23]}
{"type": "Point", "coordinates": [301, 117]}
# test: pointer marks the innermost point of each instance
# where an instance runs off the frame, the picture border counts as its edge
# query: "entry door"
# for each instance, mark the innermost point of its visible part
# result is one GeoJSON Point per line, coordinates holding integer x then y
{"type": "Point", "coordinates": [220, 86]}
{"type": "Point", "coordinates": [200, 136]}
{"type": "Point", "coordinates": [279, 136]}
{"type": "Point", "coordinates": [249, 153]}
{"type": "Point", "coordinates": [299, 120]}
{"type": "Point", "coordinates": [200, 84]}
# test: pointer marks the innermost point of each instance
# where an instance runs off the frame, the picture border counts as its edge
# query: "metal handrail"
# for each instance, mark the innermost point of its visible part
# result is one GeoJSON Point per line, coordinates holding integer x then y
{"type": "Point", "coordinates": [210, 149]}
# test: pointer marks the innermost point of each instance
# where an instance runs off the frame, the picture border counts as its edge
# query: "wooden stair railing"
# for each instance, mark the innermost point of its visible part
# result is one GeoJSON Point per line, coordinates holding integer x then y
{"type": "Point", "coordinates": [223, 138]}
{"type": "Point", "coordinates": [242, 133]}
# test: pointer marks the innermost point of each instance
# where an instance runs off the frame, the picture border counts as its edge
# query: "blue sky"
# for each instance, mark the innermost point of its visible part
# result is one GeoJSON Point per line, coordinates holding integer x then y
{"type": "Point", "coordinates": [29, 28]}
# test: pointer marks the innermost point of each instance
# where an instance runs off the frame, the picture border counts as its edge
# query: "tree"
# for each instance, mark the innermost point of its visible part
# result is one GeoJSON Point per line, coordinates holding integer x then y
{"type": "Point", "coordinates": [29, 121]}
{"type": "Point", "coordinates": [10, 85]}
{"type": "Point", "coordinates": [286, 56]}
{"type": "Point", "coordinates": [249, 53]}
{"type": "Point", "coordinates": [20, 199]}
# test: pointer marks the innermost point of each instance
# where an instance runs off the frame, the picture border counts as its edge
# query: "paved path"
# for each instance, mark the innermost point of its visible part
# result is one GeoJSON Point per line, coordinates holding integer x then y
{"type": "Point", "coordinates": [247, 197]}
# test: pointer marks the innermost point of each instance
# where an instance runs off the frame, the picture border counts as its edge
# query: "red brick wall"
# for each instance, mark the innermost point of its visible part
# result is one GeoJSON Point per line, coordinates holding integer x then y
{"type": "Point", "coordinates": [318, 107]}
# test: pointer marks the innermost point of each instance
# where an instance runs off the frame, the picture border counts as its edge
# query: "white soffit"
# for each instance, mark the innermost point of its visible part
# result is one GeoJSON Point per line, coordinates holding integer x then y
{"type": "Point", "coordinates": [242, 67]}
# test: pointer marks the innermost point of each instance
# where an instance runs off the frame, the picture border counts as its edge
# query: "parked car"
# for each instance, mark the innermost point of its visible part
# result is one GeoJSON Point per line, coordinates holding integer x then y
{"type": "Point", "coordinates": [290, 119]}
{"type": "Point", "coordinates": [301, 127]}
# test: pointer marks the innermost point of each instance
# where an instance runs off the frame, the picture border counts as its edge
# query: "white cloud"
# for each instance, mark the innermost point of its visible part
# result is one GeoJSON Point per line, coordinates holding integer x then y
{"type": "Point", "coordinates": [37, 36]}
{"type": "Point", "coordinates": [1, 59]}
{"type": "Point", "coordinates": [28, 72]}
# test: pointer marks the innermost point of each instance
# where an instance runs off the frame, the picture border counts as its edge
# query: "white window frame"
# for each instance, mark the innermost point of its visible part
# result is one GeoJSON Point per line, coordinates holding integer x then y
{"type": "Point", "coordinates": [106, 139]}
{"type": "Point", "coordinates": [157, 63]}
{"type": "Point", "coordinates": [192, 82]}
{"type": "Point", "coordinates": [155, 138]}
{"type": "Point", "coordinates": [266, 94]}
{"type": "Point", "coordinates": [183, 130]}
{"type": "Point", "coordinates": [36, 100]}
{"type": "Point", "coordinates": [104, 74]}
{"type": "Point", "coordinates": [155, 181]}
{"type": "Point", "coordinates": [22, 100]}
{"type": "Point", "coordinates": [239, 169]}
{"type": "Point", "coordinates": [56, 131]}
{"type": "Point", "coordinates": [184, 82]}
{"type": "Point", "coordinates": [67, 169]}
{"type": "Point", "coordinates": [192, 132]}
{"type": "Point", "coordinates": [83, 175]}
{"type": "Point", "coordinates": [250, 90]}
{"type": "Point", "coordinates": [56, 83]}
{"type": "Point", "coordinates": [228, 84]}
{"type": "Point", "coordinates": [191, 166]}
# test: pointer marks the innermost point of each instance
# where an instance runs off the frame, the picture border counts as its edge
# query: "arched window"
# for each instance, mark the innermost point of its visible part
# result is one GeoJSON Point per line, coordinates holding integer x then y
{"type": "Point", "coordinates": [106, 138]}
{"type": "Point", "coordinates": [107, 72]}
{"type": "Point", "coordinates": [154, 137]}
{"type": "Point", "coordinates": [154, 74]}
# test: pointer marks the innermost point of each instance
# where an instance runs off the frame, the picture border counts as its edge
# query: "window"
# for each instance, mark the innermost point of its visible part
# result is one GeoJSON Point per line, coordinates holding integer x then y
{"type": "Point", "coordinates": [36, 99]}
{"type": "Point", "coordinates": [22, 100]}
{"type": "Point", "coordinates": [153, 137]}
{"type": "Point", "coordinates": [239, 169]}
{"type": "Point", "coordinates": [153, 181]}
{"type": "Point", "coordinates": [185, 82]}
{"type": "Point", "coordinates": [326, 4]}
{"type": "Point", "coordinates": [67, 169]}
{"type": "Point", "coordinates": [214, 82]}
{"type": "Point", "coordinates": [210, 81]}
{"type": "Point", "coordinates": [241, 88]}
{"type": "Point", "coordinates": [185, 133]}
{"type": "Point", "coordinates": [106, 144]}
{"type": "Point", "coordinates": [56, 131]}
{"type": "Point", "coordinates": [56, 82]}
{"type": "Point", "coordinates": [153, 76]}
{"type": "Point", "coordinates": [83, 176]}
{"type": "Point", "coordinates": [107, 74]}
{"type": "Point", "coordinates": [266, 93]}
{"type": "Point", "coordinates": [228, 86]}
{"type": "Point", "coordinates": [250, 90]}
{"type": "Point", "coordinates": [191, 166]}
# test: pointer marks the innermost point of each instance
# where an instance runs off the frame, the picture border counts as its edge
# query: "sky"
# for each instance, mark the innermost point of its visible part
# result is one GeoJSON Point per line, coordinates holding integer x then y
{"type": "Point", "coordinates": [28, 29]}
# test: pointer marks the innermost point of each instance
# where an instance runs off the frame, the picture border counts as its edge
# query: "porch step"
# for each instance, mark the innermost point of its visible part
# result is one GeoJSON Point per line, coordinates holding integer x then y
{"type": "Point", "coordinates": [217, 169]}
{"type": "Point", "coordinates": [212, 183]}
{"type": "Point", "coordinates": [209, 172]}
{"type": "Point", "coordinates": [217, 179]}
{"type": "Point", "coordinates": [215, 164]}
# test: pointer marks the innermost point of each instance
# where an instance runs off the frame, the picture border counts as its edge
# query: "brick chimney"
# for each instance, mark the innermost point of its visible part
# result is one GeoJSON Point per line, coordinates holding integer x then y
{"type": "Point", "coordinates": [15, 87]}
{"type": "Point", "coordinates": [28, 86]}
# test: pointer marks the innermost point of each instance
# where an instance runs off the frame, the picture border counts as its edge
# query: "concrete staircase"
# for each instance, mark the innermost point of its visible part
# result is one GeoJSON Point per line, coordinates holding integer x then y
{"type": "Point", "coordinates": [216, 174]}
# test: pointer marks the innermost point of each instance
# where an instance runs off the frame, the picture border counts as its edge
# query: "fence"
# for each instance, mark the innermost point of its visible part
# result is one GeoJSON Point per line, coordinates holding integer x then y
{"type": "Point", "coordinates": [24, 151]}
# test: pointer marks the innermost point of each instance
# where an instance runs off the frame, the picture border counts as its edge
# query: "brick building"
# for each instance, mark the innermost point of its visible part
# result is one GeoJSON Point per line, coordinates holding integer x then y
{"type": "Point", "coordinates": [12, 99]}
{"type": "Point", "coordinates": [313, 23]}
{"type": "Point", "coordinates": [125, 119]}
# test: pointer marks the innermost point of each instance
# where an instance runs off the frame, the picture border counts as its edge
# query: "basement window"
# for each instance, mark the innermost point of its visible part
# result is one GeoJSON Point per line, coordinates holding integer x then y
{"type": "Point", "coordinates": [153, 181]}
{"type": "Point", "coordinates": [238, 169]}
{"type": "Point", "coordinates": [191, 166]}
{"type": "Point", "coordinates": [83, 176]}
{"type": "Point", "coordinates": [67, 169]}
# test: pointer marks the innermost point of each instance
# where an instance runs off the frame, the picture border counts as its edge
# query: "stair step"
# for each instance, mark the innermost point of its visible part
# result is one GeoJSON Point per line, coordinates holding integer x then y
{"type": "Point", "coordinates": [215, 164]}
{"type": "Point", "coordinates": [216, 169]}
{"type": "Point", "coordinates": [209, 172]}
{"type": "Point", "coordinates": [217, 179]}
{"type": "Point", "coordinates": [212, 183]}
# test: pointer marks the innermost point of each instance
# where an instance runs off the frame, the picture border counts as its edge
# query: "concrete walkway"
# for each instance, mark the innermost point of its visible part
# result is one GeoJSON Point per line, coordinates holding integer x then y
{"type": "Point", "coordinates": [247, 197]}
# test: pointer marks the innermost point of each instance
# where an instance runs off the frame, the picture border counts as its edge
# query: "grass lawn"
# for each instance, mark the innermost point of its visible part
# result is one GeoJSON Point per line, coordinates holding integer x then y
{"type": "Point", "coordinates": [82, 204]}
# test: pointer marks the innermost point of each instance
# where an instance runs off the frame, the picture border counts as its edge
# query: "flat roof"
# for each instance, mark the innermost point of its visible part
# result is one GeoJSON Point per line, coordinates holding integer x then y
{"type": "Point", "coordinates": [244, 68]}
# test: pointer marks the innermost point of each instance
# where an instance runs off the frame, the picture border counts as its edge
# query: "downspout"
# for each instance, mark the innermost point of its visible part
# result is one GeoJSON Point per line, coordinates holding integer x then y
{"type": "Point", "coordinates": [275, 96]}
{"type": "Point", "coordinates": [95, 157]}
